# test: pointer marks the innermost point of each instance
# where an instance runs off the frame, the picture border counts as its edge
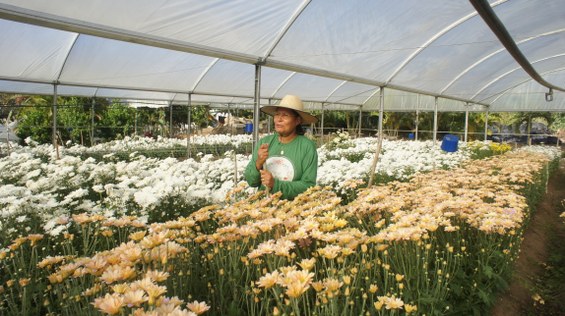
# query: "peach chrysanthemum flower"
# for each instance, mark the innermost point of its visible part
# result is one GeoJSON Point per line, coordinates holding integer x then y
{"type": "Point", "coordinates": [34, 238]}
{"type": "Point", "coordinates": [329, 251]}
{"type": "Point", "coordinates": [117, 273]}
{"type": "Point", "coordinates": [110, 304]}
{"type": "Point", "coordinates": [157, 276]}
{"type": "Point", "coordinates": [307, 264]}
{"type": "Point", "coordinates": [269, 280]}
{"type": "Point", "coordinates": [134, 298]}
{"type": "Point", "coordinates": [198, 307]}
{"type": "Point", "coordinates": [332, 285]}
{"type": "Point", "coordinates": [393, 303]}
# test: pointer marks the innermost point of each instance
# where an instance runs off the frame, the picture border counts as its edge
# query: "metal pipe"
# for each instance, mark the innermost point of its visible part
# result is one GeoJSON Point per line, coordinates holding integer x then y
{"type": "Point", "coordinates": [269, 120]}
{"type": "Point", "coordinates": [92, 121]}
{"type": "Point", "coordinates": [381, 110]}
{"type": "Point", "coordinates": [256, 105]}
{"type": "Point", "coordinates": [487, 13]}
{"type": "Point", "coordinates": [435, 121]}
{"type": "Point", "coordinates": [135, 110]}
{"type": "Point", "coordinates": [529, 128]}
{"type": "Point", "coordinates": [417, 115]}
{"type": "Point", "coordinates": [230, 120]}
{"type": "Point", "coordinates": [54, 127]}
{"type": "Point", "coordinates": [380, 142]}
{"type": "Point", "coordinates": [360, 117]}
{"type": "Point", "coordinates": [322, 125]}
{"type": "Point", "coordinates": [189, 123]}
{"type": "Point", "coordinates": [486, 124]}
{"type": "Point", "coordinates": [466, 124]}
{"type": "Point", "coordinates": [170, 119]}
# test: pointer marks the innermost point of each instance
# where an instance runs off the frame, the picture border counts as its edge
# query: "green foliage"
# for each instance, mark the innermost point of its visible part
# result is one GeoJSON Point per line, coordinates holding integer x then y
{"type": "Point", "coordinates": [34, 122]}
{"type": "Point", "coordinates": [200, 115]}
{"type": "Point", "coordinates": [73, 119]}
{"type": "Point", "coordinates": [118, 121]}
{"type": "Point", "coordinates": [558, 122]}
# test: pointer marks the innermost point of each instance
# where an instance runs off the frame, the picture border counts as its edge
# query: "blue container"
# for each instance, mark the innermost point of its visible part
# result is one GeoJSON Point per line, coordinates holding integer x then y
{"type": "Point", "coordinates": [410, 135]}
{"type": "Point", "coordinates": [249, 128]}
{"type": "Point", "coordinates": [449, 143]}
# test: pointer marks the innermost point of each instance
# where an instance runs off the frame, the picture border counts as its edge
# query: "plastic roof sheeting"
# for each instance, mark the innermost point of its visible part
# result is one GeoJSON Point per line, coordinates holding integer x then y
{"type": "Point", "coordinates": [327, 51]}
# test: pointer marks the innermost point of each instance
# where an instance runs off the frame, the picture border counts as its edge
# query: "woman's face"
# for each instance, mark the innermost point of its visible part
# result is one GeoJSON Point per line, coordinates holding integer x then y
{"type": "Point", "coordinates": [286, 121]}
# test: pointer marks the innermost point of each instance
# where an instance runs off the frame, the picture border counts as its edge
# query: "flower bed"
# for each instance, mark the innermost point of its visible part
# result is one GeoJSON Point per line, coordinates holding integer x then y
{"type": "Point", "coordinates": [441, 243]}
{"type": "Point", "coordinates": [36, 188]}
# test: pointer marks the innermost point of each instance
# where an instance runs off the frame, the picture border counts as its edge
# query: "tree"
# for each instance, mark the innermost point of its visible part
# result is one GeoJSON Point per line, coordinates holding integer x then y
{"type": "Point", "coordinates": [558, 122]}
{"type": "Point", "coordinates": [34, 119]}
{"type": "Point", "coordinates": [73, 119]}
{"type": "Point", "coordinates": [117, 121]}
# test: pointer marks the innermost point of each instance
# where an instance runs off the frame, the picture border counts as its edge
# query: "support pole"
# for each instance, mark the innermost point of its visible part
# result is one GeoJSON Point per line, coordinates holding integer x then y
{"type": "Point", "coordinates": [8, 129]}
{"type": "Point", "coordinates": [54, 127]}
{"type": "Point", "coordinates": [135, 110]}
{"type": "Point", "coordinates": [380, 142]}
{"type": "Point", "coordinates": [256, 105]}
{"type": "Point", "coordinates": [360, 117]}
{"type": "Point", "coordinates": [269, 120]}
{"type": "Point", "coordinates": [417, 116]}
{"type": "Point", "coordinates": [230, 120]}
{"type": "Point", "coordinates": [189, 125]}
{"type": "Point", "coordinates": [466, 124]}
{"type": "Point", "coordinates": [529, 129]}
{"type": "Point", "coordinates": [170, 119]}
{"type": "Point", "coordinates": [435, 121]}
{"type": "Point", "coordinates": [322, 126]}
{"type": "Point", "coordinates": [92, 121]}
{"type": "Point", "coordinates": [486, 124]}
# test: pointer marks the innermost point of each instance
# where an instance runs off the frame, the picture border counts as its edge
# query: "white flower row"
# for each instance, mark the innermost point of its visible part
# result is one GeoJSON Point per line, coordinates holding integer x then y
{"type": "Point", "coordinates": [553, 152]}
{"type": "Point", "coordinates": [53, 188]}
{"type": "Point", "coordinates": [398, 160]}
{"type": "Point", "coordinates": [138, 143]}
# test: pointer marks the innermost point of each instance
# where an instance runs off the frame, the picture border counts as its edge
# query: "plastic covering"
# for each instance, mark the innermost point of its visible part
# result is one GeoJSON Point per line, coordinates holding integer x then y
{"type": "Point", "coordinates": [331, 52]}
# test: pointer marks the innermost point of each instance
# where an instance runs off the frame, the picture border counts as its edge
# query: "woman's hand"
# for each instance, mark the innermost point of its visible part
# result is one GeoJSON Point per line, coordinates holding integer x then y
{"type": "Point", "coordinates": [267, 179]}
{"type": "Point", "coordinates": [262, 155]}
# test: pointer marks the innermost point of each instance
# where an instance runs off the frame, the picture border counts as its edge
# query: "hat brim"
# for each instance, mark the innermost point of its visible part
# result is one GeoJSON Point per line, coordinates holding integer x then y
{"type": "Point", "coordinates": [307, 118]}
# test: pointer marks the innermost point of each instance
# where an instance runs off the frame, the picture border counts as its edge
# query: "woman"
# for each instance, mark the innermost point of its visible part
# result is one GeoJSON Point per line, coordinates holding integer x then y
{"type": "Point", "coordinates": [285, 161]}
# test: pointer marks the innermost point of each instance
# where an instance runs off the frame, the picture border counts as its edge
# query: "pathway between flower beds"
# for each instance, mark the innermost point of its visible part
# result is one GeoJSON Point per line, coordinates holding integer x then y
{"type": "Point", "coordinates": [538, 284]}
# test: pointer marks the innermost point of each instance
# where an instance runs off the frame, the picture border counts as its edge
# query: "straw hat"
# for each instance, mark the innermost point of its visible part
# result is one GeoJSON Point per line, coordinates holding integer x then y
{"type": "Point", "coordinates": [294, 103]}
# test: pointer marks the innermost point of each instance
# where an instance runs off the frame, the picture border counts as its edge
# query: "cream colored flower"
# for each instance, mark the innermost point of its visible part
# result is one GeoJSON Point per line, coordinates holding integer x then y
{"type": "Point", "coordinates": [393, 303]}
{"type": "Point", "coordinates": [93, 290]}
{"type": "Point", "coordinates": [117, 273]}
{"type": "Point", "coordinates": [24, 281]}
{"type": "Point", "coordinates": [121, 288]}
{"type": "Point", "coordinates": [134, 298]}
{"type": "Point", "coordinates": [296, 289]}
{"type": "Point", "coordinates": [329, 251]}
{"type": "Point", "coordinates": [48, 261]}
{"type": "Point", "coordinates": [332, 285]}
{"type": "Point", "coordinates": [307, 264]}
{"type": "Point", "coordinates": [154, 240]}
{"type": "Point", "coordinates": [198, 307]}
{"type": "Point", "coordinates": [137, 236]}
{"type": "Point", "coordinates": [269, 280]}
{"type": "Point", "coordinates": [157, 276]}
{"type": "Point", "coordinates": [410, 308]}
{"type": "Point", "coordinates": [34, 238]}
{"type": "Point", "coordinates": [110, 304]}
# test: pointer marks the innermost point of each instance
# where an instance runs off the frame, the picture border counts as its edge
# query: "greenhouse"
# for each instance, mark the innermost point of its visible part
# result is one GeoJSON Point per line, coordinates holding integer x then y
{"type": "Point", "coordinates": [128, 128]}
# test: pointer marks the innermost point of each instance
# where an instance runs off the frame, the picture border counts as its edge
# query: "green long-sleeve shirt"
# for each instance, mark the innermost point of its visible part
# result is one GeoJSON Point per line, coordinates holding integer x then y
{"type": "Point", "coordinates": [294, 165]}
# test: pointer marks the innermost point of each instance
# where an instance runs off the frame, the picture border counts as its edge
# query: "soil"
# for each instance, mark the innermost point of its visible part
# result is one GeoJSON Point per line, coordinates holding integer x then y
{"type": "Point", "coordinates": [540, 268]}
